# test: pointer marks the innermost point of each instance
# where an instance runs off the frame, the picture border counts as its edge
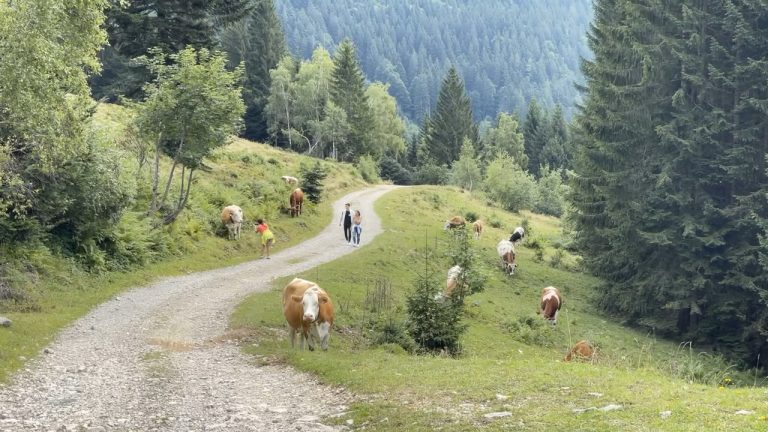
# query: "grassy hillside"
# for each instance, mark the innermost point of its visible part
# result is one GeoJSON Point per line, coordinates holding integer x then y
{"type": "Point", "coordinates": [511, 361]}
{"type": "Point", "coordinates": [57, 290]}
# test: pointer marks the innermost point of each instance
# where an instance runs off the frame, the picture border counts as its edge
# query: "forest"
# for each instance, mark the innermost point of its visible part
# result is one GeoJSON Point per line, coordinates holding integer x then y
{"type": "Point", "coordinates": [507, 52]}
{"type": "Point", "coordinates": [660, 175]}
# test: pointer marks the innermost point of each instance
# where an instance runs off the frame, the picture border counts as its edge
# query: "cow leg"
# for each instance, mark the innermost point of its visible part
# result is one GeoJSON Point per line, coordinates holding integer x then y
{"type": "Point", "coordinates": [292, 336]}
{"type": "Point", "coordinates": [324, 333]}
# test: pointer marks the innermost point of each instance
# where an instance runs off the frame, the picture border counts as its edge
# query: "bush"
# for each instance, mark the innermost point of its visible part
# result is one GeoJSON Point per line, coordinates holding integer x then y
{"type": "Point", "coordinates": [368, 169]}
{"type": "Point", "coordinates": [313, 181]}
{"type": "Point", "coordinates": [550, 193]}
{"type": "Point", "coordinates": [530, 330]}
{"type": "Point", "coordinates": [435, 325]}
{"type": "Point", "coordinates": [506, 183]}
{"type": "Point", "coordinates": [431, 174]}
{"type": "Point", "coordinates": [394, 332]}
{"type": "Point", "coordinates": [390, 169]}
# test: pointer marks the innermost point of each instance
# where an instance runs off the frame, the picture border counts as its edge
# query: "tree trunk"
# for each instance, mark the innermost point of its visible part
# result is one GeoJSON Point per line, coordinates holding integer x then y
{"type": "Point", "coordinates": [183, 198]}
{"type": "Point", "coordinates": [175, 163]}
{"type": "Point", "coordinates": [156, 175]}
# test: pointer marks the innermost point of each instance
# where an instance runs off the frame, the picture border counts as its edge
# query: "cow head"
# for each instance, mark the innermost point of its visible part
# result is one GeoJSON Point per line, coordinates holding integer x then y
{"type": "Point", "coordinates": [311, 301]}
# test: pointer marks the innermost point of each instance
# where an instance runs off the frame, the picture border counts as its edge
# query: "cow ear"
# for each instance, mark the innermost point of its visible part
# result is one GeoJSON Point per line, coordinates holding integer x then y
{"type": "Point", "coordinates": [296, 298]}
{"type": "Point", "coordinates": [323, 299]}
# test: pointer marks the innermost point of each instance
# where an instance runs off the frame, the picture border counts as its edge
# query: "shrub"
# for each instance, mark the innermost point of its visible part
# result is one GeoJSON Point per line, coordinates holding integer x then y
{"type": "Point", "coordinates": [313, 181]}
{"type": "Point", "coordinates": [368, 169]}
{"type": "Point", "coordinates": [471, 216]}
{"type": "Point", "coordinates": [530, 330]}
{"type": "Point", "coordinates": [394, 332]}
{"type": "Point", "coordinates": [391, 169]}
{"type": "Point", "coordinates": [550, 193]}
{"type": "Point", "coordinates": [506, 183]}
{"type": "Point", "coordinates": [435, 325]}
{"type": "Point", "coordinates": [431, 174]}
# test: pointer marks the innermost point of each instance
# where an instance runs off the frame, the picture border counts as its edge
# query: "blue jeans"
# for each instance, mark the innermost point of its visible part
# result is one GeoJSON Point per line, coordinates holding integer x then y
{"type": "Point", "coordinates": [356, 230]}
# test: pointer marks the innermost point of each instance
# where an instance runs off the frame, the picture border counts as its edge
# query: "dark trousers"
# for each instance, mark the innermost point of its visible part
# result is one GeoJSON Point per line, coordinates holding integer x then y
{"type": "Point", "coordinates": [348, 232]}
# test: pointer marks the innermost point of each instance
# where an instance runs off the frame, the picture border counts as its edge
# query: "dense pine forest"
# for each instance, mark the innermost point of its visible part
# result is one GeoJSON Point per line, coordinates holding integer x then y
{"type": "Point", "coordinates": [507, 52]}
{"type": "Point", "coordinates": [660, 175]}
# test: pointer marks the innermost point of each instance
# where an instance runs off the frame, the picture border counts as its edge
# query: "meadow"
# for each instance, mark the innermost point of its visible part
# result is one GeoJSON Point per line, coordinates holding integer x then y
{"type": "Point", "coordinates": [510, 374]}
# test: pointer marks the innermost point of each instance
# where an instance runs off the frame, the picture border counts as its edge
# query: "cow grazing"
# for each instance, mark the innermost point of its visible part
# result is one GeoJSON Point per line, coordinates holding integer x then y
{"type": "Point", "coordinates": [477, 227]}
{"type": "Point", "coordinates": [551, 302]}
{"type": "Point", "coordinates": [309, 311]}
{"type": "Point", "coordinates": [455, 222]}
{"type": "Point", "coordinates": [582, 350]}
{"type": "Point", "coordinates": [517, 235]}
{"type": "Point", "coordinates": [297, 201]}
{"type": "Point", "coordinates": [232, 218]}
{"type": "Point", "coordinates": [506, 251]}
{"type": "Point", "coordinates": [290, 180]}
{"type": "Point", "coordinates": [454, 279]}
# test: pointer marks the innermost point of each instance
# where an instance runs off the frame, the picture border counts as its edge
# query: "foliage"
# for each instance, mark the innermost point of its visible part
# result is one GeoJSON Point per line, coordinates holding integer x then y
{"type": "Point", "coordinates": [192, 108]}
{"type": "Point", "coordinates": [390, 169]}
{"type": "Point", "coordinates": [431, 173]}
{"type": "Point", "coordinates": [434, 324]}
{"type": "Point", "coordinates": [550, 193]}
{"type": "Point", "coordinates": [535, 131]}
{"type": "Point", "coordinates": [410, 45]}
{"type": "Point", "coordinates": [465, 172]}
{"type": "Point", "coordinates": [348, 92]}
{"type": "Point", "coordinates": [506, 138]}
{"type": "Point", "coordinates": [508, 185]}
{"type": "Point", "coordinates": [258, 42]}
{"type": "Point", "coordinates": [312, 183]}
{"type": "Point", "coordinates": [387, 129]}
{"type": "Point", "coordinates": [369, 169]}
{"type": "Point", "coordinates": [451, 122]}
{"type": "Point", "coordinates": [670, 173]}
{"type": "Point", "coordinates": [136, 27]}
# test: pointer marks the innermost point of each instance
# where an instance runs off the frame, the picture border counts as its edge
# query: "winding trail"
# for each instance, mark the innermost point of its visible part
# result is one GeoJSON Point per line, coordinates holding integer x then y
{"type": "Point", "coordinates": [156, 358]}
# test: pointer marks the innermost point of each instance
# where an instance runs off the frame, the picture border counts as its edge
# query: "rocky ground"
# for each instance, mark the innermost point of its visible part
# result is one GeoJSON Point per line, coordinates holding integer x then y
{"type": "Point", "coordinates": [157, 358]}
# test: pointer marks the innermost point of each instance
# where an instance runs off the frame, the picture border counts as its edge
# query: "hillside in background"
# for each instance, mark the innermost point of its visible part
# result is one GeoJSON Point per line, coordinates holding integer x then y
{"type": "Point", "coordinates": [506, 52]}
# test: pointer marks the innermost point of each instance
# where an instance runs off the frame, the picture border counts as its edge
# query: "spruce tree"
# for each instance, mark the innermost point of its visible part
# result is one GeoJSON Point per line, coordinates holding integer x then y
{"type": "Point", "coordinates": [536, 134]}
{"type": "Point", "coordinates": [348, 93]}
{"type": "Point", "coordinates": [259, 43]}
{"type": "Point", "coordinates": [451, 122]}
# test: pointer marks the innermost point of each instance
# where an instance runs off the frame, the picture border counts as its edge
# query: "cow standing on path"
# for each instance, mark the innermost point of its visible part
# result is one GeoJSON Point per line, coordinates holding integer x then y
{"type": "Point", "coordinates": [309, 311]}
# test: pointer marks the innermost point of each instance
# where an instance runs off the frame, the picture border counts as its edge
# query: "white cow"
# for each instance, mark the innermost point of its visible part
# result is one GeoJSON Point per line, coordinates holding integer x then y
{"type": "Point", "coordinates": [290, 180]}
{"type": "Point", "coordinates": [232, 218]}
{"type": "Point", "coordinates": [517, 235]}
{"type": "Point", "coordinates": [506, 251]}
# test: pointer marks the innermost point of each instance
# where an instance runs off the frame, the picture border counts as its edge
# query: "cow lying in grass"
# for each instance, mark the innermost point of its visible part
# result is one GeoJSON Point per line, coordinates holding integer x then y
{"type": "Point", "coordinates": [455, 222]}
{"type": "Point", "coordinates": [309, 311]}
{"type": "Point", "coordinates": [581, 351]}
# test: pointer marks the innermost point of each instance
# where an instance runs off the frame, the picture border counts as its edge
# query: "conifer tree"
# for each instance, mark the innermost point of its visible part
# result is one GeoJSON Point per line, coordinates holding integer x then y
{"type": "Point", "coordinates": [348, 93]}
{"type": "Point", "coordinates": [452, 121]}
{"type": "Point", "coordinates": [536, 134]}
{"type": "Point", "coordinates": [258, 42]}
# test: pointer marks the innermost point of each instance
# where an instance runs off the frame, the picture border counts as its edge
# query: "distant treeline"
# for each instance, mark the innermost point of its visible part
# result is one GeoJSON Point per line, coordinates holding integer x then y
{"type": "Point", "coordinates": [508, 52]}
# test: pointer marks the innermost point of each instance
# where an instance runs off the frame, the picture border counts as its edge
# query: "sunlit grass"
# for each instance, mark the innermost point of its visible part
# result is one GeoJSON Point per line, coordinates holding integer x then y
{"type": "Point", "coordinates": [499, 371]}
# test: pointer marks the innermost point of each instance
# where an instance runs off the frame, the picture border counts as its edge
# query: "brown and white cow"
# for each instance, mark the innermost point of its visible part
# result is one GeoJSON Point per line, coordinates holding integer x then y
{"type": "Point", "coordinates": [454, 279]}
{"type": "Point", "coordinates": [309, 311]}
{"type": "Point", "coordinates": [297, 201]}
{"type": "Point", "coordinates": [477, 227]}
{"type": "Point", "coordinates": [551, 302]}
{"type": "Point", "coordinates": [582, 350]}
{"type": "Point", "coordinates": [506, 251]}
{"type": "Point", "coordinates": [232, 218]}
{"type": "Point", "coordinates": [290, 180]}
{"type": "Point", "coordinates": [455, 222]}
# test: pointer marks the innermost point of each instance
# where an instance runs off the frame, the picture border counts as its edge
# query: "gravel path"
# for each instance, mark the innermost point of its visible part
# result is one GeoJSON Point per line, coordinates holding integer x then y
{"type": "Point", "coordinates": [149, 359]}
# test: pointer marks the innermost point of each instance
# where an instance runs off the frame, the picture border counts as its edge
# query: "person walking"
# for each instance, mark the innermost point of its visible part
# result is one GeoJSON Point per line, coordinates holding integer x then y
{"type": "Point", "coordinates": [346, 218]}
{"type": "Point", "coordinates": [357, 228]}
{"type": "Point", "coordinates": [267, 238]}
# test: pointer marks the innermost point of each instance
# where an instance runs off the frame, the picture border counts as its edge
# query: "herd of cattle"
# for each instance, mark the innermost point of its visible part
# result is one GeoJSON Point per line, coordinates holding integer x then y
{"type": "Point", "coordinates": [308, 309]}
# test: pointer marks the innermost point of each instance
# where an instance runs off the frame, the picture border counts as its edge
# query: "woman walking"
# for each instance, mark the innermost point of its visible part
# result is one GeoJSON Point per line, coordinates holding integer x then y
{"type": "Point", "coordinates": [357, 228]}
{"type": "Point", "coordinates": [346, 218]}
{"type": "Point", "coordinates": [267, 238]}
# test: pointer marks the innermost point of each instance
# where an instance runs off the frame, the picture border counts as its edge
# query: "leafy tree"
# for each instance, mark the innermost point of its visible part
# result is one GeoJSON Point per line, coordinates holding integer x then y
{"type": "Point", "coordinates": [258, 42]}
{"type": "Point", "coordinates": [387, 129]}
{"type": "Point", "coordinates": [550, 193]}
{"type": "Point", "coordinates": [192, 108]}
{"type": "Point", "coordinates": [451, 122]}
{"type": "Point", "coordinates": [348, 93]}
{"type": "Point", "coordinates": [280, 103]}
{"type": "Point", "coordinates": [505, 137]}
{"type": "Point", "coordinates": [45, 105]}
{"type": "Point", "coordinates": [507, 184]}
{"type": "Point", "coordinates": [465, 172]}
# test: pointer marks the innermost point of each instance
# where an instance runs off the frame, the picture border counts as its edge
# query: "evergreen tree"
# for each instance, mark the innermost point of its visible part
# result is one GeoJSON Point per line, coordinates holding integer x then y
{"type": "Point", "coordinates": [451, 122]}
{"type": "Point", "coordinates": [312, 183]}
{"type": "Point", "coordinates": [136, 26]}
{"type": "Point", "coordinates": [535, 132]}
{"type": "Point", "coordinates": [555, 151]}
{"type": "Point", "coordinates": [348, 93]}
{"type": "Point", "coordinates": [259, 43]}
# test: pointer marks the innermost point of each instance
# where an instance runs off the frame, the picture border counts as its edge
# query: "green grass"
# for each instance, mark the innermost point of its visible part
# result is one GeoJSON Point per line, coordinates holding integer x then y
{"type": "Point", "coordinates": [61, 292]}
{"type": "Point", "coordinates": [644, 375]}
